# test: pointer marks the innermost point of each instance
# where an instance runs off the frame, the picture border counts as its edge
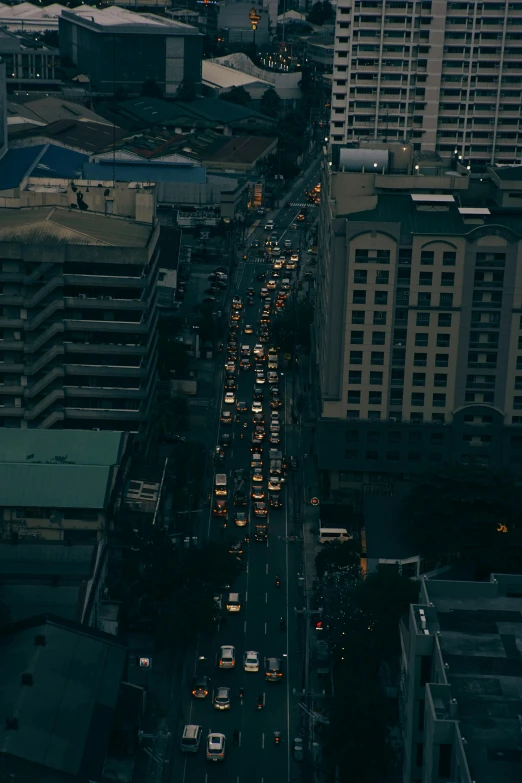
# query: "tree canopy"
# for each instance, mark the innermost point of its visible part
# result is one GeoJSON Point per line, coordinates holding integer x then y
{"type": "Point", "coordinates": [292, 327]}
{"type": "Point", "coordinates": [186, 91]}
{"type": "Point", "coordinates": [321, 13]}
{"type": "Point", "coordinates": [270, 103]}
{"type": "Point", "coordinates": [467, 510]}
{"type": "Point", "coordinates": [345, 558]}
{"type": "Point", "coordinates": [151, 89]}
{"type": "Point", "coordinates": [237, 95]}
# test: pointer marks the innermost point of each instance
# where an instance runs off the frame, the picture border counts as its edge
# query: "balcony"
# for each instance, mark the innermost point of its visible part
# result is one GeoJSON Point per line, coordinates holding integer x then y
{"type": "Point", "coordinates": [40, 407]}
{"type": "Point", "coordinates": [105, 414]}
{"type": "Point", "coordinates": [482, 365]}
{"type": "Point", "coordinates": [106, 303]}
{"type": "Point", "coordinates": [103, 392]}
{"type": "Point", "coordinates": [128, 327]}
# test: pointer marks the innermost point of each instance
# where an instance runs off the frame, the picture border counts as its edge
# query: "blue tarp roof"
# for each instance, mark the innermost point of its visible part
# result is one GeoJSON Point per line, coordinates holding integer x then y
{"type": "Point", "coordinates": [145, 172]}
{"type": "Point", "coordinates": [40, 160]}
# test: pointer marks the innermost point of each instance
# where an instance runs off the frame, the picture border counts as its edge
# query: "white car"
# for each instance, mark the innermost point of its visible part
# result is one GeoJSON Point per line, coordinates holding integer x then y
{"type": "Point", "coordinates": [271, 285]}
{"type": "Point", "coordinates": [257, 407]}
{"type": "Point", "coordinates": [230, 398]}
{"type": "Point", "coordinates": [251, 661]}
{"type": "Point", "coordinates": [269, 225]}
{"type": "Point", "coordinates": [274, 484]}
{"type": "Point", "coordinates": [260, 376]}
{"type": "Point", "coordinates": [227, 657]}
{"type": "Point", "coordinates": [216, 746]}
{"type": "Point", "coordinates": [294, 257]}
{"type": "Point", "coordinates": [259, 351]}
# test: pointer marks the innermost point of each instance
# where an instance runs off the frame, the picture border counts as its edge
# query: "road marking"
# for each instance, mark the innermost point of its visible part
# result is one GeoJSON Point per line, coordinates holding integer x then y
{"type": "Point", "coordinates": [266, 568]}
{"type": "Point", "coordinates": [246, 596]}
{"type": "Point", "coordinates": [262, 742]}
{"type": "Point", "coordinates": [244, 627]}
{"type": "Point", "coordinates": [266, 598]}
{"type": "Point", "coordinates": [265, 628]}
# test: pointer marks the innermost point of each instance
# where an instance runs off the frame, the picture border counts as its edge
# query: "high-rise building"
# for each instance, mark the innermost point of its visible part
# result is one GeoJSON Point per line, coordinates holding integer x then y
{"type": "Point", "coordinates": [418, 320]}
{"type": "Point", "coordinates": [461, 682]}
{"type": "Point", "coordinates": [444, 75]}
{"type": "Point", "coordinates": [78, 314]}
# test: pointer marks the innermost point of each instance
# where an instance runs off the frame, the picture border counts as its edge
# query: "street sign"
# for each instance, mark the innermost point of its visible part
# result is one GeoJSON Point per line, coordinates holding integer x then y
{"type": "Point", "coordinates": [145, 663]}
{"type": "Point", "coordinates": [314, 501]}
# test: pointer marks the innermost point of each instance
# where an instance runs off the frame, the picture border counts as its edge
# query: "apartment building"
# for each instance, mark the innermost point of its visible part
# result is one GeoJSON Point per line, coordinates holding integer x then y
{"type": "Point", "coordinates": [78, 313]}
{"type": "Point", "coordinates": [461, 682]}
{"type": "Point", "coordinates": [444, 75]}
{"type": "Point", "coordinates": [419, 319]}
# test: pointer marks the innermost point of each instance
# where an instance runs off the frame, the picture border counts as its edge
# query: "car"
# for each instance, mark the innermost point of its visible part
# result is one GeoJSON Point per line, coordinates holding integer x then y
{"type": "Point", "coordinates": [258, 419]}
{"type": "Point", "coordinates": [200, 687]}
{"type": "Point", "coordinates": [257, 459]}
{"type": "Point", "coordinates": [273, 378]}
{"type": "Point", "coordinates": [257, 407]}
{"type": "Point", "coordinates": [241, 407]}
{"type": "Point", "coordinates": [280, 304]}
{"type": "Point", "coordinates": [227, 657]}
{"type": "Point", "coordinates": [225, 439]}
{"type": "Point", "coordinates": [276, 402]}
{"type": "Point", "coordinates": [277, 264]}
{"type": "Point", "coordinates": [274, 439]}
{"type": "Point", "coordinates": [288, 244]}
{"type": "Point", "coordinates": [294, 257]}
{"type": "Point", "coordinates": [258, 493]}
{"type": "Point", "coordinates": [237, 304]}
{"type": "Point", "coordinates": [230, 398]}
{"type": "Point", "coordinates": [275, 426]}
{"type": "Point", "coordinates": [258, 394]}
{"type": "Point", "coordinates": [285, 284]}
{"type": "Point", "coordinates": [240, 500]}
{"type": "Point", "coordinates": [294, 227]}
{"type": "Point", "coordinates": [263, 292]}
{"type": "Point", "coordinates": [260, 510]}
{"type": "Point", "coordinates": [273, 670]}
{"type": "Point", "coordinates": [236, 316]}
{"type": "Point", "coordinates": [274, 416]}
{"type": "Point", "coordinates": [260, 376]}
{"type": "Point", "coordinates": [221, 698]}
{"type": "Point", "coordinates": [230, 383]}
{"type": "Point", "coordinates": [191, 738]}
{"type": "Point", "coordinates": [257, 474]}
{"type": "Point", "coordinates": [255, 244]}
{"type": "Point", "coordinates": [240, 519]}
{"type": "Point", "coordinates": [216, 746]}
{"type": "Point", "coordinates": [261, 533]}
{"type": "Point", "coordinates": [259, 351]}
{"type": "Point", "coordinates": [251, 291]}
{"type": "Point", "coordinates": [226, 417]}
{"type": "Point", "coordinates": [271, 285]}
{"type": "Point", "coordinates": [233, 325]}
{"type": "Point", "coordinates": [265, 318]}
{"type": "Point", "coordinates": [274, 391]}
{"type": "Point", "coordinates": [275, 500]}
{"type": "Point", "coordinates": [264, 338]}
{"type": "Point", "coordinates": [274, 484]}
{"type": "Point", "coordinates": [248, 329]}
{"type": "Point", "coordinates": [269, 225]}
{"type": "Point", "coordinates": [276, 250]}
{"type": "Point", "coordinates": [244, 364]}
{"type": "Point", "coordinates": [220, 507]}
{"type": "Point", "coordinates": [236, 548]}
{"type": "Point", "coordinates": [251, 661]}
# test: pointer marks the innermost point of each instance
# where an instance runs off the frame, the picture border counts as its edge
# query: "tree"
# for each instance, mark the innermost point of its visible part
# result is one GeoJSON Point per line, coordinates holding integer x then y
{"type": "Point", "coordinates": [186, 91]}
{"type": "Point", "coordinates": [151, 89]}
{"type": "Point", "coordinates": [321, 13]}
{"type": "Point", "coordinates": [335, 557]}
{"type": "Point", "coordinates": [237, 95]}
{"type": "Point", "coordinates": [467, 510]}
{"type": "Point", "coordinates": [270, 103]}
{"type": "Point", "coordinates": [292, 327]}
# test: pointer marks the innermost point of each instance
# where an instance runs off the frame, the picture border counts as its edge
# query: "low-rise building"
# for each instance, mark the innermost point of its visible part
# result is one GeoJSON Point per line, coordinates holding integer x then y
{"type": "Point", "coordinates": [221, 74]}
{"type": "Point", "coordinates": [31, 64]}
{"type": "Point", "coordinates": [461, 681]}
{"type": "Point", "coordinates": [60, 485]}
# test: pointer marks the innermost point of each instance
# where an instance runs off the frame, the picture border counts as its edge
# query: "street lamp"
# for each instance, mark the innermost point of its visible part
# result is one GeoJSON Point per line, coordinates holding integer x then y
{"type": "Point", "coordinates": [255, 18]}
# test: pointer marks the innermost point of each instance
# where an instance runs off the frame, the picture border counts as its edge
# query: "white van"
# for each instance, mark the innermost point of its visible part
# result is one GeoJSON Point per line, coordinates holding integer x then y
{"type": "Point", "coordinates": [233, 602]}
{"type": "Point", "coordinates": [328, 534]}
{"type": "Point", "coordinates": [220, 485]}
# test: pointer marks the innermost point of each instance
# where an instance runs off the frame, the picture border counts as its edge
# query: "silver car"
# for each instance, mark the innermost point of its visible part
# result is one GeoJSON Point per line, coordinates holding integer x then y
{"type": "Point", "coordinates": [222, 699]}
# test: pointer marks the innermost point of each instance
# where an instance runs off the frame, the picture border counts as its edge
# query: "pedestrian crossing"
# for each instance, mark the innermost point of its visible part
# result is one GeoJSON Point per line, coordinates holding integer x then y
{"type": "Point", "coordinates": [254, 260]}
{"type": "Point", "coordinates": [301, 205]}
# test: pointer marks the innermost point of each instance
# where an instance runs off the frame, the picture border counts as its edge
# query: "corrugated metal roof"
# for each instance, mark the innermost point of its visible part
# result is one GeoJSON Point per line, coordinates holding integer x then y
{"type": "Point", "coordinates": [59, 162]}
{"type": "Point", "coordinates": [17, 164]}
{"type": "Point", "coordinates": [145, 172]}
{"type": "Point", "coordinates": [221, 76]}
{"type": "Point", "coordinates": [54, 486]}
{"type": "Point", "coordinates": [80, 447]}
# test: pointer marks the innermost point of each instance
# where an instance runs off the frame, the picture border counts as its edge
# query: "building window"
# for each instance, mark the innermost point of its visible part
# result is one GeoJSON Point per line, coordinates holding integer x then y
{"type": "Point", "coordinates": [374, 415]}
{"type": "Point", "coordinates": [357, 316]}
{"type": "Point", "coordinates": [379, 317]}
{"type": "Point", "coordinates": [415, 438]}
{"type": "Point", "coordinates": [352, 415]}
{"type": "Point", "coordinates": [418, 379]}
{"type": "Point", "coordinates": [449, 257]}
{"type": "Point", "coordinates": [373, 455]}
{"type": "Point", "coordinates": [445, 751]}
{"type": "Point", "coordinates": [378, 338]}
{"type": "Point", "coordinates": [421, 339]}
{"type": "Point", "coordinates": [359, 297]}
{"type": "Point", "coordinates": [425, 278]}
{"type": "Point", "coordinates": [423, 319]}
{"type": "Point", "coordinates": [380, 298]}
{"type": "Point", "coordinates": [441, 359]}
{"type": "Point", "coordinates": [427, 257]}
{"type": "Point", "coordinates": [350, 454]}
{"type": "Point", "coordinates": [375, 378]}
{"type": "Point", "coordinates": [405, 254]}
{"type": "Point", "coordinates": [416, 418]}
{"type": "Point", "coordinates": [352, 436]}
{"type": "Point", "coordinates": [438, 418]}
{"type": "Point", "coordinates": [375, 398]}
{"type": "Point", "coordinates": [420, 359]}
{"type": "Point", "coordinates": [392, 456]}
{"type": "Point", "coordinates": [443, 340]}
{"type": "Point", "coordinates": [444, 319]}
{"type": "Point", "coordinates": [439, 400]}
{"type": "Point", "coordinates": [372, 256]}
{"type": "Point", "coordinates": [396, 396]}
{"type": "Point", "coordinates": [417, 399]}
{"type": "Point", "coordinates": [447, 279]}
{"type": "Point", "coordinates": [377, 357]}
{"type": "Point", "coordinates": [354, 376]}
{"type": "Point", "coordinates": [423, 299]}
{"type": "Point", "coordinates": [356, 357]}
{"type": "Point", "coordinates": [354, 397]}
{"type": "Point", "coordinates": [414, 456]}
{"type": "Point", "coordinates": [357, 338]}
{"type": "Point", "coordinates": [382, 277]}
{"type": "Point", "coordinates": [440, 379]}
{"type": "Point", "coordinates": [435, 456]}
{"type": "Point", "coordinates": [446, 300]}
{"type": "Point", "coordinates": [360, 276]}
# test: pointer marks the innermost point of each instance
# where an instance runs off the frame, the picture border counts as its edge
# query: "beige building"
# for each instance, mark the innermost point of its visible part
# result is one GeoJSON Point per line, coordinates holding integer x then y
{"type": "Point", "coordinates": [444, 75]}
{"type": "Point", "coordinates": [418, 320]}
{"type": "Point", "coordinates": [461, 682]}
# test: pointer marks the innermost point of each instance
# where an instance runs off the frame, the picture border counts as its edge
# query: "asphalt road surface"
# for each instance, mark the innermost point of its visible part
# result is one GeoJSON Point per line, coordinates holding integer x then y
{"type": "Point", "coordinates": [257, 626]}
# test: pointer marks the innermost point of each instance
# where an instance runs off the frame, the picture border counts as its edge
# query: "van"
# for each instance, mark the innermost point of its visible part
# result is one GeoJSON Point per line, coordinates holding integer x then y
{"type": "Point", "coordinates": [328, 534]}
{"type": "Point", "coordinates": [191, 738]}
{"type": "Point", "coordinates": [220, 485]}
{"type": "Point", "coordinates": [233, 602]}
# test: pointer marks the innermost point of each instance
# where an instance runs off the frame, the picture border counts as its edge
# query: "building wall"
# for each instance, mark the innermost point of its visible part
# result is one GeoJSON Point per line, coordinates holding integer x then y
{"type": "Point", "coordinates": [74, 525]}
{"type": "Point", "coordinates": [441, 73]}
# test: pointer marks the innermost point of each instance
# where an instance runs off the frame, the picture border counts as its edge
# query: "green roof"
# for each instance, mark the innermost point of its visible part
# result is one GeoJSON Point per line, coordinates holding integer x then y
{"type": "Point", "coordinates": [58, 468]}
{"type": "Point", "coordinates": [212, 111]}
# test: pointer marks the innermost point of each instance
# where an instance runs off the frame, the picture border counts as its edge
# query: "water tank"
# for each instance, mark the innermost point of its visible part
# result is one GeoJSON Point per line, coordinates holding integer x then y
{"type": "Point", "coordinates": [364, 160]}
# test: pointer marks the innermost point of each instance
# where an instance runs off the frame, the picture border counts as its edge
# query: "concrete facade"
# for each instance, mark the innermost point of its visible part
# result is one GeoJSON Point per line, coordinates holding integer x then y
{"type": "Point", "coordinates": [442, 74]}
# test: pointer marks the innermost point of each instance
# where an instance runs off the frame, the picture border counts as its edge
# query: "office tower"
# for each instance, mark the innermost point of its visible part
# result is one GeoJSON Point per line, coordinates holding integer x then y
{"type": "Point", "coordinates": [461, 680]}
{"type": "Point", "coordinates": [444, 75]}
{"type": "Point", "coordinates": [418, 324]}
{"type": "Point", "coordinates": [78, 316]}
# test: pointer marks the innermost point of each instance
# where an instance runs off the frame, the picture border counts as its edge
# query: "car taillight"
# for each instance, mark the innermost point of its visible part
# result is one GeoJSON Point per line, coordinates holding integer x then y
{"type": "Point", "coordinates": [221, 663]}
{"type": "Point", "coordinates": [206, 693]}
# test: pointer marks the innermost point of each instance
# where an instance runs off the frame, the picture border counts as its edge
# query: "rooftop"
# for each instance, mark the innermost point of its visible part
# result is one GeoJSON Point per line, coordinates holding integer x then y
{"type": "Point", "coordinates": [65, 717]}
{"type": "Point", "coordinates": [481, 639]}
{"type": "Point", "coordinates": [242, 149]}
{"type": "Point", "coordinates": [42, 111]}
{"type": "Point", "coordinates": [385, 525]}
{"type": "Point", "coordinates": [58, 468]}
{"type": "Point", "coordinates": [39, 160]}
{"type": "Point", "coordinates": [205, 110]}
{"type": "Point", "coordinates": [60, 226]}
{"type": "Point", "coordinates": [508, 173]}
{"type": "Point", "coordinates": [217, 75]}
{"type": "Point", "coordinates": [144, 171]}
{"type": "Point", "coordinates": [114, 17]}
{"type": "Point", "coordinates": [88, 137]}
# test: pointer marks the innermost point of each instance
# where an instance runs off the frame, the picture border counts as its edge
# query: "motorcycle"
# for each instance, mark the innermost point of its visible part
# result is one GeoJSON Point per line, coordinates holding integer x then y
{"type": "Point", "coordinates": [277, 582]}
{"type": "Point", "coordinates": [277, 737]}
{"type": "Point", "coordinates": [260, 702]}
{"type": "Point", "coordinates": [282, 624]}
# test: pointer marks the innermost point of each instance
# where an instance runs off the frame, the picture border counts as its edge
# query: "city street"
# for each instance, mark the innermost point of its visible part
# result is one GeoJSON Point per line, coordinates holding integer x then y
{"type": "Point", "coordinates": [257, 626]}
